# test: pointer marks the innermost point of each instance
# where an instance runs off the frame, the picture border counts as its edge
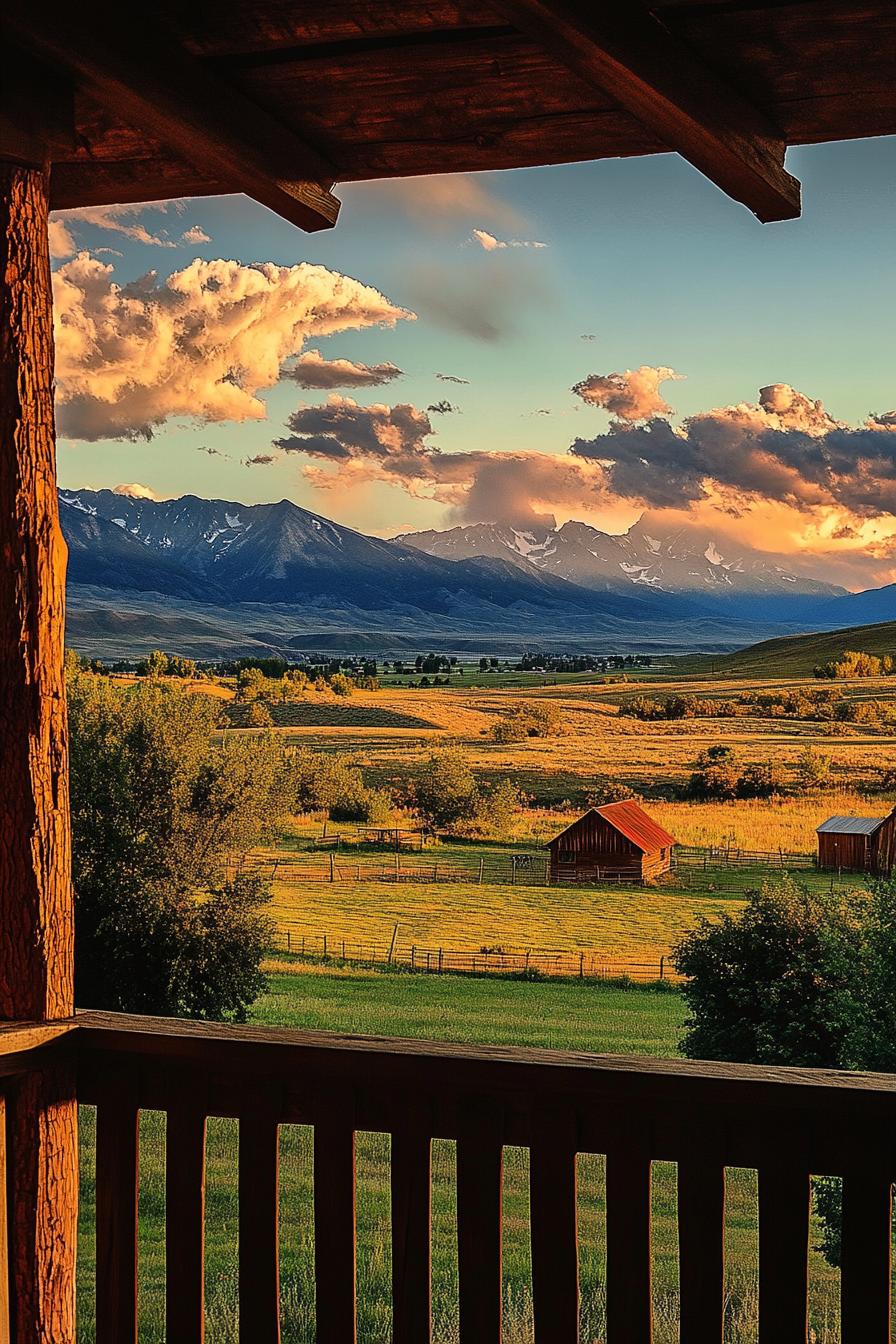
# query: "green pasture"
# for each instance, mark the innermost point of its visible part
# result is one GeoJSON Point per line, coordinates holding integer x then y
{"type": "Point", "coordinates": [563, 1015]}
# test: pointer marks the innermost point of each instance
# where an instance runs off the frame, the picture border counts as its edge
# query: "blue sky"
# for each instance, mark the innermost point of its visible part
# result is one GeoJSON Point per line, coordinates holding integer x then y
{"type": "Point", "coordinates": [643, 255]}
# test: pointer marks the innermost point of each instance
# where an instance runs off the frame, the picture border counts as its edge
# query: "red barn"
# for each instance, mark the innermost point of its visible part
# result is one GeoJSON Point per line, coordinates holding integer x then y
{"type": "Point", "coordinates": [618, 840]}
{"type": "Point", "coordinates": [858, 844]}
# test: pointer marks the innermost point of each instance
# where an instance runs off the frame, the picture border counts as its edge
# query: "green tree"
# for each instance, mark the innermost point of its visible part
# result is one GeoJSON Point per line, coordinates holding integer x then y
{"type": "Point", "coordinates": [773, 984]}
{"type": "Point", "coordinates": [159, 815]}
{"type": "Point", "coordinates": [799, 978]}
{"type": "Point", "coordinates": [445, 790]}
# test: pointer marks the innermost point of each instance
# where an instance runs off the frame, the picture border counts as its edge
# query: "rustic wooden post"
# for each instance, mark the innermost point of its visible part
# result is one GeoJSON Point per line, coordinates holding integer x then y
{"type": "Point", "coordinates": [36, 925]}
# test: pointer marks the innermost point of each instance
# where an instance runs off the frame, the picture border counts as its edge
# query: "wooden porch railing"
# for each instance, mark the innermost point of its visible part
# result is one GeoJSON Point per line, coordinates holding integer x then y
{"type": "Point", "coordinates": [785, 1123]}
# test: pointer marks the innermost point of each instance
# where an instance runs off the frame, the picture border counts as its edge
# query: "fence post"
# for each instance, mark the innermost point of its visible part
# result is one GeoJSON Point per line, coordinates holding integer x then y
{"type": "Point", "coordinates": [435, 872]}
{"type": "Point", "coordinates": [413, 956]}
{"type": "Point", "coordinates": [325, 945]}
{"type": "Point", "coordinates": [392, 946]}
{"type": "Point", "coordinates": [343, 949]}
{"type": "Point", "coordinates": [440, 961]}
{"type": "Point", "coordinates": [581, 965]}
{"type": "Point", "coordinates": [332, 867]}
{"type": "Point", "coordinates": [288, 942]}
{"type": "Point", "coordinates": [662, 968]}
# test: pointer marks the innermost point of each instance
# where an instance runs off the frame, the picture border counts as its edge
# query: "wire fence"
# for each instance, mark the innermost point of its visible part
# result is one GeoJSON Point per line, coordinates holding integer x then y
{"type": "Point", "coordinates": [578, 964]}
{"type": "Point", "coordinates": [722, 869]}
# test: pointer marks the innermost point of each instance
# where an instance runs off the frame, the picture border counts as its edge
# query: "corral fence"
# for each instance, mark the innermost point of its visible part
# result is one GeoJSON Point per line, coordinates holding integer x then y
{"type": "Point", "coordinates": [729, 856]}
{"type": "Point", "coordinates": [581, 964]}
{"type": "Point", "coordinates": [697, 868]}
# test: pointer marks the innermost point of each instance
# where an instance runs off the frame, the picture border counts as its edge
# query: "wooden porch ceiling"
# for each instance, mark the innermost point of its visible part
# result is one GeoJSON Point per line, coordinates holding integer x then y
{"type": "Point", "coordinates": [281, 100]}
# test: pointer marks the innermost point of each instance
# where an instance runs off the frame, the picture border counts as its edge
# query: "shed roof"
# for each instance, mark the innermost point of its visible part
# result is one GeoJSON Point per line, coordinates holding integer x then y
{"type": "Point", "coordinates": [281, 100]}
{"type": "Point", "coordinates": [850, 825]}
{"type": "Point", "coordinates": [630, 819]}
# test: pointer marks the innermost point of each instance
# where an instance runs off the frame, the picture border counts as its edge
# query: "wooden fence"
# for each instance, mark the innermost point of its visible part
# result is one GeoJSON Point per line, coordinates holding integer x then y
{"type": "Point", "coordinates": [706, 1117]}
{"type": "Point", "coordinates": [582, 964]}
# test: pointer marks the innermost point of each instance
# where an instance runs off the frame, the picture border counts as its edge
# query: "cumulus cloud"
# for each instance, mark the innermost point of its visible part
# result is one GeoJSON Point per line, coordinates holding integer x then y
{"type": "Point", "coordinates": [489, 243]}
{"type": "Point", "coordinates": [134, 490]}
{"type": "Point", "coordinates": [350, 444]}
{"type": "Point", "coordinates": [450, 378]}
{"type": "Point", "coordinates": [195, 235]}
{"type": "Point", "coordinates": [201, 343]}
{"type": "Point", "coordinates": [311, 370]}
{"type": "Point", "coordinates": [632, 395]}
{"type": "Point", "coordinates": [62, 244]}
{"type": "Point", "coordinates": [786, 449]}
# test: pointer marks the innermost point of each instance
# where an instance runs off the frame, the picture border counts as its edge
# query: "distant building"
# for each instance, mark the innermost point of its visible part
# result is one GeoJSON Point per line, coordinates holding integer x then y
{"type": "Point", "coordinates": [858, 844]}
{"type": "Point", "coordinates": [618, 840]}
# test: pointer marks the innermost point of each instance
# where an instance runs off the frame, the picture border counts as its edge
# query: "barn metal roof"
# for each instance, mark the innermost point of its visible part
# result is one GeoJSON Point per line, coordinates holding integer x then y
{"type": "Point", "coordinates": [850, 825]}
{"type": "Point", "coordinates": [631, 821]}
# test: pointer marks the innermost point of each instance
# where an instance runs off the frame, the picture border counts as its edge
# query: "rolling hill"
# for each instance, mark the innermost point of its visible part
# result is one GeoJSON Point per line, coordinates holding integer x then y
{"type": "Point", "coordinates": [794, 655]}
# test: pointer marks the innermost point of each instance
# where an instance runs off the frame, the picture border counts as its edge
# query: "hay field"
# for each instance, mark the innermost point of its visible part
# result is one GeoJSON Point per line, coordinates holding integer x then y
{"type": "Point", "coordinates": [597, 744]}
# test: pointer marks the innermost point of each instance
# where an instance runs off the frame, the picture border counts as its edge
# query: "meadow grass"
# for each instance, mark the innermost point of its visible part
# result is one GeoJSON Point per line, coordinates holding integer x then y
{"type": "Point", "coordinates": [562, 1015]}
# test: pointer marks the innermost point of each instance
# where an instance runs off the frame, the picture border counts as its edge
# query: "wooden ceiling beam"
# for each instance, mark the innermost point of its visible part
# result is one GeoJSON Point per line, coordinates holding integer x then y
{"type": "Point", "coordinates": [623, 49]}
{"type": "Point", "coordinates": [142, 74]}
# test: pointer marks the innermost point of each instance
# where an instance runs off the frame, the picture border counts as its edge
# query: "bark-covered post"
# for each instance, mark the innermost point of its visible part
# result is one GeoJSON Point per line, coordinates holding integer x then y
{"type": "Point", "coordinates": [36, 923]}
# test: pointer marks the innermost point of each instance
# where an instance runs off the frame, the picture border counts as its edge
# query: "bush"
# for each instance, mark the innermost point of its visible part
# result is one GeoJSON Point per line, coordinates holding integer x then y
{"type": "Point", "coordinates": [611, 791]}
{"type": "Point", "coordinates": [718, 775]}
{"type": "Point", "coordinates": [158, 813]}
{"type": "Point", "coordinates": [813, 771]}
{"type": "Point", "coordinates": [497, 810]}
{"type": "Point", "coordinates": [444, 789]}
{"type": "Point", "coordinates": [537, 719]}
{"type": "Point", "coordinates": [331, 784]}
{"type": "Point", "coordinates": [258, 716]}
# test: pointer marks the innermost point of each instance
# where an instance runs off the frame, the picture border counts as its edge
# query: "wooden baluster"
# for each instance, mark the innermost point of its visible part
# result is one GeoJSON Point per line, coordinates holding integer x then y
{"type": "Point", "coordinates": [412, 1235]}
{"type": "Point", "coordinates": [783, 1246]}
{"type": "Point", "coordinates": [629, 1314]}
{"type": "Point", "coordinates": [554, 1229]}
{"type": "Point", "coordinates": [701, 1248]}
{"type": "Point", "coordinates": [117, 1144]}
{"type": "Point", "coordinates": [259, 1253]}
{"type": "Point", "coordinates": [480, 1170]}
{"type": "Point", "coordinates": [334, 1226]}
{"type": "Point", "coordinates": [185, 1225]}
{"type": "Point", "coordinates": [865, 1289]}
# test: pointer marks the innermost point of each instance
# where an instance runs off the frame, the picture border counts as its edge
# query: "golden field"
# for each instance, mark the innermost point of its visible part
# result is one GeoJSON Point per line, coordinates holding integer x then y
{"type": "Point", "coordinates": [558, 774]}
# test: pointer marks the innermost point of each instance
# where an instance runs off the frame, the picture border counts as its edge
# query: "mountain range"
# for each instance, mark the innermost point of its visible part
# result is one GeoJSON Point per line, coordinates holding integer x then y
{"type": "Point", "coordinates": [649, 557]}
{"type": "Point", "coordinates": [214, 577]}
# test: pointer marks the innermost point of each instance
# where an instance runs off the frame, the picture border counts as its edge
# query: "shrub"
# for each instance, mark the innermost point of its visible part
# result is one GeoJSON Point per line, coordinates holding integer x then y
{"type": "Point", "coordinates": [716, 775]}
{"type": "Point", "coordinates": [324, 783]}
{"type": "Point", "coordinates": [498, 809]}
{"type": "Point", "coordinates": [258, 716]}
{"type": "Point", "coordinates": [444, 789]}
{"type": "Point", "coordinates": [813, 771]}
{"type": "Point", "coordinates": [611, 791]}
{"type": "Point", "coordinates": [534, 719]}
{"type": "Point", "coordinates": [340, 684]}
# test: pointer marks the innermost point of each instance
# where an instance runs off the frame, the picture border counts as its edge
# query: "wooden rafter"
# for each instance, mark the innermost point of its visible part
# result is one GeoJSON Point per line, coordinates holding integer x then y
{"type": "Point", "coordinates": [142, 74]}
{"type": "Point", "coordinates": [620, 47]}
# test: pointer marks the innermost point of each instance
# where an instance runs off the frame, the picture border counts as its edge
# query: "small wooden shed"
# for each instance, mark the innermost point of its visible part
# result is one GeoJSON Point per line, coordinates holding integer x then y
{"type": "Point", "coordinates": [858, 844]}
{"type": "Point", "coordinates": [618, 840]}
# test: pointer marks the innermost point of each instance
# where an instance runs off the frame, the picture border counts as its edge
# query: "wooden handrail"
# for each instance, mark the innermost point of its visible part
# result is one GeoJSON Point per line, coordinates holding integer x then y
{"type": "Point", "coordinates": [785, 1123]}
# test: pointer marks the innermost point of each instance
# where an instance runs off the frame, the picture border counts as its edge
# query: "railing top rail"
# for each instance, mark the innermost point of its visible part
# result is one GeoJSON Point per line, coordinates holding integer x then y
{"type": "Point", "coordinates": [377, 1060]}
